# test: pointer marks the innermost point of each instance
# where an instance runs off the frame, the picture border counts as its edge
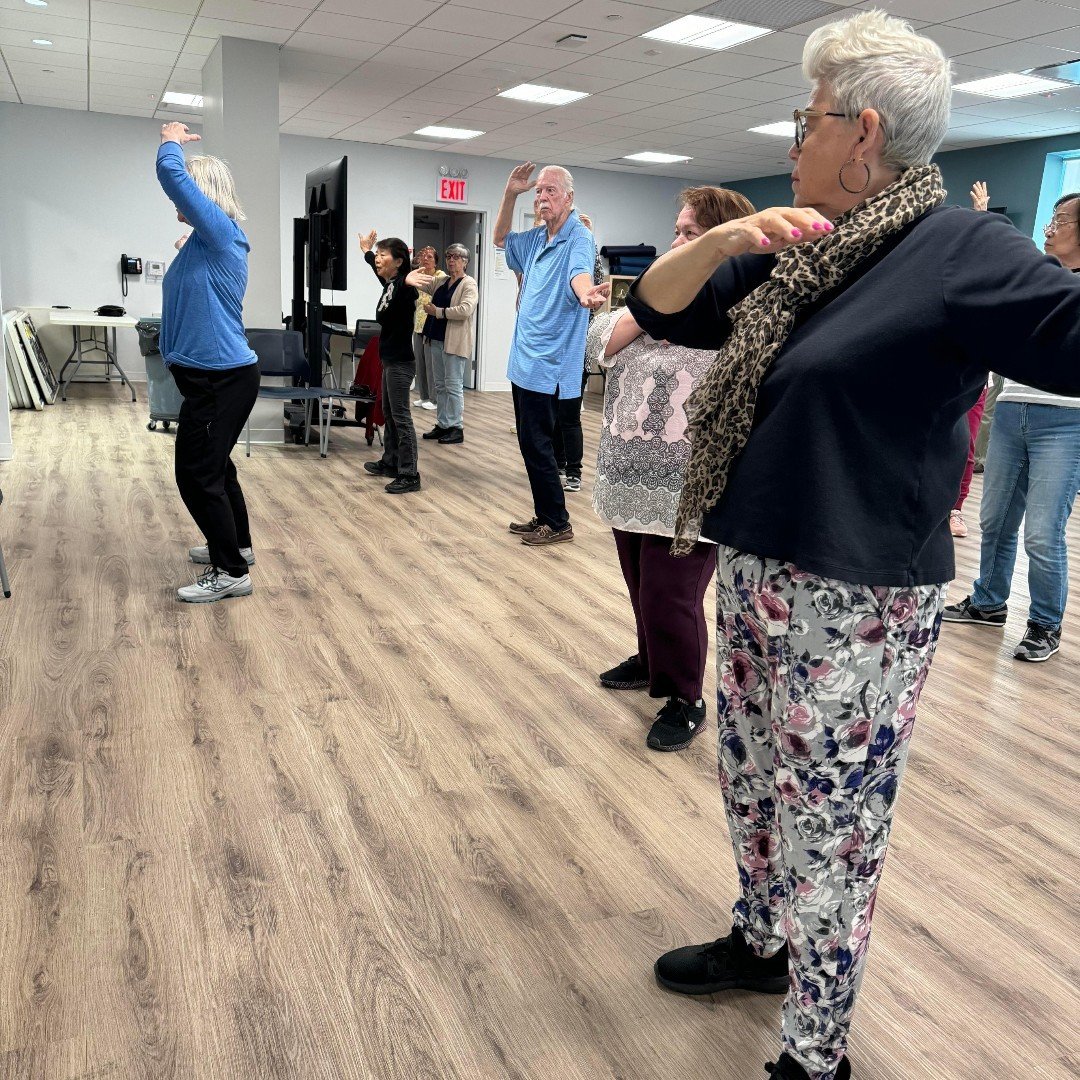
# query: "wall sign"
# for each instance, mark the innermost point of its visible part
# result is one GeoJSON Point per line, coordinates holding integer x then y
{"type": "Point", "coordinates": [451, 189]}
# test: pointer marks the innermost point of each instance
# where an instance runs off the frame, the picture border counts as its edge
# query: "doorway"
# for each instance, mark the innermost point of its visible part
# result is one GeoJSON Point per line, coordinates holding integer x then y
{"type": "Point", "coordinates": [439, 227]}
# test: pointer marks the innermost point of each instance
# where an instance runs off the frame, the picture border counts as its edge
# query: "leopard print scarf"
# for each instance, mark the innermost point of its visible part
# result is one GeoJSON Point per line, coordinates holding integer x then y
{"type": "Point", "coordinates": [721, 409]}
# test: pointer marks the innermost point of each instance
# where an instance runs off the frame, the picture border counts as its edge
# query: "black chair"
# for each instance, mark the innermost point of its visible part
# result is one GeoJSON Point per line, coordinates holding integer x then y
{"type": "Point", "coordinates": [281, 355]}
{"type": "Point", "coordinates": [3, 566]}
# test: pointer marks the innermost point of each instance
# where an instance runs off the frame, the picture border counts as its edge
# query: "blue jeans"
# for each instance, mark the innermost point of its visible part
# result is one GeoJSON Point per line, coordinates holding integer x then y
{"type": "Point", "coordinates": [449, 378]}
{"type": "Point", "coordinates": [1032, 472]}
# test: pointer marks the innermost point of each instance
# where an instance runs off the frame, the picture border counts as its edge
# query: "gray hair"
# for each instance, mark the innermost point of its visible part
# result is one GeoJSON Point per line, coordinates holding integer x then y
{"type": "Point", "coordinates": [566, 181]}
{"type": "Point", "coordinates": [873, 61]}
{"type": "Point", "coordinates": [213, 179]}
{"type": "Point", "coordinates": [458, 249]}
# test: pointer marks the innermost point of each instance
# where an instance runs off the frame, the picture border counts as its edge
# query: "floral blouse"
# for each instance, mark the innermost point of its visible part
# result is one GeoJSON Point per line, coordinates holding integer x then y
{"type": "Point", "coordinates": [644, 446]}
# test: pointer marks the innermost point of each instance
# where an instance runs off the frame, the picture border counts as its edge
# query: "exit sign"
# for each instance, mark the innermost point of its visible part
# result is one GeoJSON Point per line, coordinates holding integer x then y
{"type": "Point", "coordinates": [452, 190]}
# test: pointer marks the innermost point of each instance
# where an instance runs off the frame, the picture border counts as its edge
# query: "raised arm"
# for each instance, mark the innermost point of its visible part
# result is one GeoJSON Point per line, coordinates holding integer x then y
{"type": "Point", "coordinates": [677, 276]}
{"type": "Point", "coordinates": [367, 242]}
{"type": "Point", "coordinates": [215, 228]}
{"type": "Point", "coordinates": [518, 183]}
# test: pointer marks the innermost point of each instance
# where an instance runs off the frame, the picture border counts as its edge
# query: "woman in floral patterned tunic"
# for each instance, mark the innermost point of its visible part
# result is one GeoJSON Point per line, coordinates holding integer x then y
{"type": "Point", "coordinates": [644, 447]}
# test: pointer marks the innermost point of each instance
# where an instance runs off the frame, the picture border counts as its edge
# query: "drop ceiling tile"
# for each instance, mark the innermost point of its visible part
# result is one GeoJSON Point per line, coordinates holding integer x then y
{"type": "Point", "coordinates": [414, 66]}
{"type": "Point", "coordinates": [611, 67]}
{"type": "Point", "coordinates": [116, 80]}
{"type": "Point", "coordinates": [779, 46]}
{"type": "Point", "coordinates": [137, 36]}
{"type": "Point", "coordinates": [22, 70]}
{"type": "Point", "coordinates": [330, 24]}
{"type": "Point", "coordinates": [101, 64]}
{"type": "Point", "coordinates": [995, 110]}
{"type": "Point", "coordinates": [292, 60]}
{"type": "Point", "coordinates": [956, 41]}
{"type": "Point", "coordinates": [318, 128]}
{"type": "Point", "coordinates": [502, 73]}
{"type": "Point", "coordinates": [37, 22]}
{"type": "Point", "coordinates": [171, 22]}
{"type": "Point", "coordinates": [734, 64]}
{"type": "Point", "coordinates": [546, 35]}
{"type": "Point", "coordinates": [335, 48]}
{"type": "Point", "coordinates": [440, 41]}
{"type": "Point", "coordinates": [658, 54]}
{"type": "Point", "coordinates": [537, 9]}
{"type": "Point", "coordinates": [65, 9]}
{"type": "Point", "coordinates": [689, 81]}
{"type": "Point", "coordinates": [641, 91]}
{"type": "Point", "coordinates": [619, 18]}
{"type": "Point", "coordinates": [1016, 56]}
{"type": "Point", "coordinates": [13, 54]}
{"type": "Point", "coordinates": [933, 10]}
{"type": "Point", "coordinates": [253, 12]}
{"type": "Point", "coordinates": [54, 103]}
{"type": "Point", "coordinates": [407, 12]}
{"type": "Point", "coordinates": [190, 6]}
{"type": "Point", "coordinates": [216, 28]}
{"type": "Point", "coordinates": [1020, 20]}
{"type": "Point", "coordinates": [22, 39]}
{"type": "Point", "coordinates": [493, 24]}
{"type": "Point", "coordinates": [517, 52]}
{"type": "Point", "coordinates": [1061, 39]}
{"type": "Point", "coordinates": [109, 50]}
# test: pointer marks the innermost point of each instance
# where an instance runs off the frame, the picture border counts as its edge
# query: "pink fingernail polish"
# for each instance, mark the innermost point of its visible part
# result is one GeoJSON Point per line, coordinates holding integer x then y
{"type": "Point", "coordinates": [828, 226]}
{"type": "Point", "coordinates": [817, 225]}
{"type": "Point", "coordinates": [764, 241]}
{"type": "Point", "coordinates": [796, 233]}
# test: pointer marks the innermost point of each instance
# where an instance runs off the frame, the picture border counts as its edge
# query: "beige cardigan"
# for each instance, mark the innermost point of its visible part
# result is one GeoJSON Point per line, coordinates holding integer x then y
{"type": "Point", "coordinates": [459, 318]}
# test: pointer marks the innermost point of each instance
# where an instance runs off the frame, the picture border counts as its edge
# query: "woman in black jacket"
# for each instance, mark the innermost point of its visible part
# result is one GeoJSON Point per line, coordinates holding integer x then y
{"type": "Point", "coordinates": [828, 442]}
{"type": "Point", "coordinates": [395, 314]}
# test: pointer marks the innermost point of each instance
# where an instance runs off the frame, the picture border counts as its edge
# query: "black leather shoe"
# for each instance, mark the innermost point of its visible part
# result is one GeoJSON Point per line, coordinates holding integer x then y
{"type": "Point", "coordinates": [724, 964]}
{"type": "Point", "coordinates": [378, 468]}
{"type": "Point", "coordinates": [787, 1068]}
{"type": "Point", "coordinates": [435, 433]}
{"type": "Point", "coordinates": [454, 435]}
{"type": "Point", "coordinates": [404, 484]}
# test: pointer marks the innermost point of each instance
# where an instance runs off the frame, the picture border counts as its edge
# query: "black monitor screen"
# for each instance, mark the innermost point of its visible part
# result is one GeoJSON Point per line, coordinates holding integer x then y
{"type": "Point", "coordinates": [327, 195]}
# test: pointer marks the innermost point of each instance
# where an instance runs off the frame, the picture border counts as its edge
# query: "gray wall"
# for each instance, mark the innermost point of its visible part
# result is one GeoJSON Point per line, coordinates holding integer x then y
{"type": "Point", "coordinates": [78, 189]}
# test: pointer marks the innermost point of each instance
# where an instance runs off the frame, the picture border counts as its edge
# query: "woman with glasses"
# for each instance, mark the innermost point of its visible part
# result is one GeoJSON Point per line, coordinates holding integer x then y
{"type": "Point", "coordinates": [448, 336]}
{"type": "Point", "coordinates": [828, 439]}
{"type": "Point", "coordinates": [1032, 473]}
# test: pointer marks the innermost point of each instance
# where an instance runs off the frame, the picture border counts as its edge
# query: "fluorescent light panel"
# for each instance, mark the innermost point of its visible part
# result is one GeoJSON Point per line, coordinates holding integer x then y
{"type": "Point", "coordinates": [42, 41]}
{"type": "Point", "coordinates": [38, 3]}
{"type": "Point", "coordinates": [437, 132]}
{"type": "Point", "coordinates": [1009, 85]}
{"type": "Point", "coordinates": [192, 101]}
{"type": "Point", "coordinates": [655, 158]}
{"type": "Point", "coordinates": [543, 95]}
{"type": "Point", "coordinates": [703, 32]}
{"type": "Point", "coordinates": [786, 128]}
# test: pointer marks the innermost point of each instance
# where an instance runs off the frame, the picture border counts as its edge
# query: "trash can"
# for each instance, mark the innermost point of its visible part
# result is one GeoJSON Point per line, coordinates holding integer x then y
{"type": "Point", "coordinates": [165, 397]}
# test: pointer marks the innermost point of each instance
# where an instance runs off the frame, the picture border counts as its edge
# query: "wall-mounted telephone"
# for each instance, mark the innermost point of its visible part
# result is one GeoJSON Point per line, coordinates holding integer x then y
{"type": "Point", "coordinates": [128, 266]}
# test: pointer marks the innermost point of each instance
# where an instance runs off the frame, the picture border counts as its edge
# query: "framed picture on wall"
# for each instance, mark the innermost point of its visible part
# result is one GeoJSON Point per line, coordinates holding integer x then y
{"type": "Point", "coordinates": [620, 287]}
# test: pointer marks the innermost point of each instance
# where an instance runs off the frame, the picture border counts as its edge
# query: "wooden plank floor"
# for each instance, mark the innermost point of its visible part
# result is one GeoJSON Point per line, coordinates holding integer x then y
{"type": "Point", "coordinates": [380, 821]}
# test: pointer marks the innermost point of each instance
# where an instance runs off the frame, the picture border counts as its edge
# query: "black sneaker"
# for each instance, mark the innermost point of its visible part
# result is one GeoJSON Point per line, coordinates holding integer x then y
{"type": "Point", "coordinates": [629, 675]}
{"type": "Point", "coordinates": [967, 612]}
{"type": "Point", "coordinates": [380, 468]}
{"type": "Point", "coordinates": [404, 484]}
{"type": "Point", "coordinates": [675, 725]}
{"type": "Point", "coordinates": [724, 964]}
{"type": "Point", "coordinates": [453, 435]}
{"type": "Point", "coordinates": [787, 1068]}
{"type": "Point", "coordinates": [1038, 644]}
{"type": "Point", "coordinates": [435, 433]}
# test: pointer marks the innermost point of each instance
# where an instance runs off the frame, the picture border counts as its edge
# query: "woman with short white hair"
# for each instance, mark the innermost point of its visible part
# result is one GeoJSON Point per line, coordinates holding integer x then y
{"type": "Point", "coordinates": [205, 348]}
{"type": "Point", "coordinates": [827, 444]}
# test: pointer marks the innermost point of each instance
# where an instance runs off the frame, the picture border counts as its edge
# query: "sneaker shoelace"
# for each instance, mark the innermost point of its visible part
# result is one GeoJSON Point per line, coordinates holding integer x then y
{"type": "Point", "coordinates": [1038, 634]}
{"type": "Point", "coordinates": [210, 577]}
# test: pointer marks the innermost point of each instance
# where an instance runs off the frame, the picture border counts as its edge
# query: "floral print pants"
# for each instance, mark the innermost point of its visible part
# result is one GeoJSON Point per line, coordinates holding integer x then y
{"type": "Point", "coordinates": [817, 686]}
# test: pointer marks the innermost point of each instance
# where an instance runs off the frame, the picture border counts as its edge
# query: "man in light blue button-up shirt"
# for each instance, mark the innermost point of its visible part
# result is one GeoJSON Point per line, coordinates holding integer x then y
{"type": "Point", "coordinates": [555, 261]}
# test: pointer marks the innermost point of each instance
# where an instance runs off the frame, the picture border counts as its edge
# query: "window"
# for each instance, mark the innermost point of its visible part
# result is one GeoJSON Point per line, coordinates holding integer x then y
{"type": "Point", "coordinates": [1061, 174]}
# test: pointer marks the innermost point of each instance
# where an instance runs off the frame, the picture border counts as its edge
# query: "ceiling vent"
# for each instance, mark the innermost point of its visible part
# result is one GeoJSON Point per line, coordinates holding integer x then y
{"type": "Point", "coordinates": [775, 14]}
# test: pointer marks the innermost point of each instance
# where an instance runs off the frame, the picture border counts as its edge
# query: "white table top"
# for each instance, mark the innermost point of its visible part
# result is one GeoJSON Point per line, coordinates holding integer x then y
{"type": "Point", "coordinates": [77, 317]}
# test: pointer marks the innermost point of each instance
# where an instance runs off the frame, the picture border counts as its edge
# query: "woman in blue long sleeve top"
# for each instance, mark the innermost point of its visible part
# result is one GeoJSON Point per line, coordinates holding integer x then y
{"type": "Point", "coordinates": [204, 345]}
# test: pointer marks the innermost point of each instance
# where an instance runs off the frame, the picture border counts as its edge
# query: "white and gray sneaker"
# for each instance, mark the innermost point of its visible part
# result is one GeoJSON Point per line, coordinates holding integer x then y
{"type": "Point", "coordinates": [201, 555]}
{"type": "Point", "coordinates": [214, 584]}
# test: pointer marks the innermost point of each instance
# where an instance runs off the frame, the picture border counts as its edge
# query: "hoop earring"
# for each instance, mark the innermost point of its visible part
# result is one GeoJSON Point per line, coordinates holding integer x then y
{"type": "Point", "coordinates": [866, 182]}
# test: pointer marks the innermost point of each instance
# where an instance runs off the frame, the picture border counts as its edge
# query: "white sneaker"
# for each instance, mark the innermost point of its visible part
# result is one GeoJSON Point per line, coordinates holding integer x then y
{"type": "Point", "coordinates": [201, 555]}
{"type": "Point", "coordinates": [429, 405]}
{"type": "Point", "coordinates": [213, 585]}
{"type": "Point", "coordinates": [418, 403]}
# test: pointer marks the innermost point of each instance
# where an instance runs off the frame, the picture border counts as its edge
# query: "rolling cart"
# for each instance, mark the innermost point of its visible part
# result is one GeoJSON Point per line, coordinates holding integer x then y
{"type": "Point", "coordinates": [165, 398]}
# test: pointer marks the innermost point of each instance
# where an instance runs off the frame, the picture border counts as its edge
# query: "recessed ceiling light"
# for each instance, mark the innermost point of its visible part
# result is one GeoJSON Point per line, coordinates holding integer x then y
{"type": "Point", "coordinates": [192, 101]}
{"type": "Point", "coordinates": [1009, 85]}
{"type": "Point", "coordinates": [543, 95]}
{"type": "Point", "coordinates": [437, 132]}
{"type": "Point", "coordinates": [654, 158]}
{"type": "Point", "coordinates": [42, 41]}
{"type": "Point", "coordinates": [38, 3]}
{"type": "Point", "coordinates": [706, 33]}
{"type": "Point", "coordinates": [786, 128]}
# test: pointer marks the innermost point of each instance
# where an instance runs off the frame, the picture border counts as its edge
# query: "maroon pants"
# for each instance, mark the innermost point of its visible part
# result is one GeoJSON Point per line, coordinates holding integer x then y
{"type": "Point", "coordinates": [974, 420]}
{"type": "Point", "coordinates": [668, 597]}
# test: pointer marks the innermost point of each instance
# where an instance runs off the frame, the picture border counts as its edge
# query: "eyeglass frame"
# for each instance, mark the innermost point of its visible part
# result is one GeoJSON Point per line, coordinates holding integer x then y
{"type": "Point", "coordinates": [802, 114]}
{"type": "Point", "coordinates": [1052, 226]}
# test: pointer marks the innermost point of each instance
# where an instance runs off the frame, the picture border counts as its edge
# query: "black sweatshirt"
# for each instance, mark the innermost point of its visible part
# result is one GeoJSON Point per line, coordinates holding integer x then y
{"type": "Point", "coordinates": [394, 314]}
{"type": "Point", "coordinates": [860, 434]}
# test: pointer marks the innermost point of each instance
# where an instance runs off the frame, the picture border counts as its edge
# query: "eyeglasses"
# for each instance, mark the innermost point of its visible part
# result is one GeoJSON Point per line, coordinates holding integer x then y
{"type": "Point", "coordinates": [454, 255]}
{"type": "Point", "coordinates": [800, 122]}
{"type": "Point", "coordinates": [1056, 223]}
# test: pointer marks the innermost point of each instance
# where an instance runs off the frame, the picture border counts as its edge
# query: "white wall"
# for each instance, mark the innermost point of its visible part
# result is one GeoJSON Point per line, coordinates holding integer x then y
{"type": "Point", "coordinates": [78, 188]}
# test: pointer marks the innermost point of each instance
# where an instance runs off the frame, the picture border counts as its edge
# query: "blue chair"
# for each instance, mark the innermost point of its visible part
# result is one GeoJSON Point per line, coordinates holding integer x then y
{"type": "Point", "coordinates": [281, 355]}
